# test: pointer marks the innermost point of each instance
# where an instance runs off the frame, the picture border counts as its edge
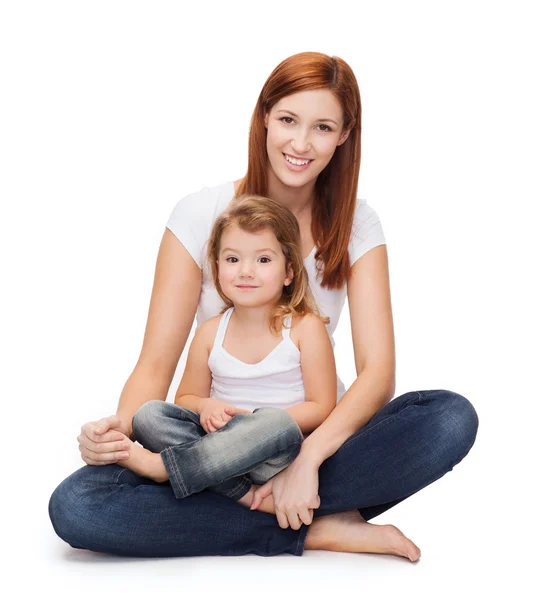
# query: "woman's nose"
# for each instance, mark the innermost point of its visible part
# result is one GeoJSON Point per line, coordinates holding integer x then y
{"type": "Point", "coordinates": [300, 142]}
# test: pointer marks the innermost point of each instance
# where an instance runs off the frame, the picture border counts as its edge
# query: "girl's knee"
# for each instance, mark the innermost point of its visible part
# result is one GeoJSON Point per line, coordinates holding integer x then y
{"type": "Point", "coordinates": [280, 420]}
{"type": "Point", "coordinates": [144, 420]}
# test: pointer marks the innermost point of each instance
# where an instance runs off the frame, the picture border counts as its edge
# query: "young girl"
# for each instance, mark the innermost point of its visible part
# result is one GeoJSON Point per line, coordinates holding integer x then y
{"type": "Point", "coordinates": [267, 359]}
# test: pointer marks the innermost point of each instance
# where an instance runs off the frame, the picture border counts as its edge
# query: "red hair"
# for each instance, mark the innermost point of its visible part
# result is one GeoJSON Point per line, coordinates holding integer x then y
{"type": "Point", "coordinates": [337, 185]}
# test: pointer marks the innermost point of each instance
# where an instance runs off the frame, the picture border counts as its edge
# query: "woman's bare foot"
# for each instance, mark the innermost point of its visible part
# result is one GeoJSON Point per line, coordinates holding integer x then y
{"type": "Point", "coordinates": [349, 532]}
{"type": "Point", "coordinates": [267, 505]}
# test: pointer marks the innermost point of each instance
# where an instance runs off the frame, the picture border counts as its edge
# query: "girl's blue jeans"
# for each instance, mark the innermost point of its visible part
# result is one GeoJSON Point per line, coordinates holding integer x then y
{"type": "Point", "coordinates": [250, 448]}
{"type": "Point", "coordinates": [412, 441]}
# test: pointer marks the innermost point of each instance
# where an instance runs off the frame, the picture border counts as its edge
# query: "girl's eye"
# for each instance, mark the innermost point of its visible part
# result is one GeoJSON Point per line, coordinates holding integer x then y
{"type": "Point", "coordinates": [231, 259]}
{"type": "Point", "coordinates": [266, 259]}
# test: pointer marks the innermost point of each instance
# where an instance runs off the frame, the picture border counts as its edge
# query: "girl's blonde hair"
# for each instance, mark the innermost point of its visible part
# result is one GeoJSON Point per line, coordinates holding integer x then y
{"type": "Point", "coordinates": [252, 214]}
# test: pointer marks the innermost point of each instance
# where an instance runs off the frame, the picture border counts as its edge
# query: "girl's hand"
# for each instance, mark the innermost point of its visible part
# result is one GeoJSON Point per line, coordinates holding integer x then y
{"type": "Point", "coordinates": [103, 442]}
{"type": "Point", "coordinates": [295, 493]}
{"type": "Point", "coordinates": [216, 414]}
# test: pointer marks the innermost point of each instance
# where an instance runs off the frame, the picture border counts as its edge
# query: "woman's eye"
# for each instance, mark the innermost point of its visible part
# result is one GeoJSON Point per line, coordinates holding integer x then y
{"type": "Point", "coordinates": [287, 120]}
{"type": "Point", "coordinates": [326, 127]}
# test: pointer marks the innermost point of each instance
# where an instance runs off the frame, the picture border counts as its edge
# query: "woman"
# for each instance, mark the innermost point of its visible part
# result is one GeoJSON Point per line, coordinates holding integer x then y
{"type": "Point", "coordinates": [370, 453]}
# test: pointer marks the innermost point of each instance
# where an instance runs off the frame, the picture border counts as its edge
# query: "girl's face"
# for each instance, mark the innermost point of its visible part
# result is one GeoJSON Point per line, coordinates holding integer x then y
{"type": "Point", "coordinates": [304, 130]}
{"type": "Point", "coordinates": [252, 267]}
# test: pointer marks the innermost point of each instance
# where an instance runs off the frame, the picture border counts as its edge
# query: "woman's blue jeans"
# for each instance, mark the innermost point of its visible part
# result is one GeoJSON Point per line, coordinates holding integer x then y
{"type": "Point", "coordinates": [411, 442]}
{"type": "Point", "coordinates": [250, 448]}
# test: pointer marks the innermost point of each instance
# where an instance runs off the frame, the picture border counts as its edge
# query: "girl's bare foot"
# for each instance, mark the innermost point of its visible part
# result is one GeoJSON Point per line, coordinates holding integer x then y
{"type": "Point", "coordinates": [144, 462]}
{"type": "Point", "coordinates": [349, 532]}
{"type": "Point", "coordinates": [267, 504]}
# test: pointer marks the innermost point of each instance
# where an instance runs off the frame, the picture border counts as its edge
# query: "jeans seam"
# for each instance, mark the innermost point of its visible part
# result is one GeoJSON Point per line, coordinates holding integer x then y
{"type": "Point", "coordinates": [119, 475]}
{"type": "Point", "coordinates": [236, 490]}
{"type": "Point", "coordinates": [175, 472]}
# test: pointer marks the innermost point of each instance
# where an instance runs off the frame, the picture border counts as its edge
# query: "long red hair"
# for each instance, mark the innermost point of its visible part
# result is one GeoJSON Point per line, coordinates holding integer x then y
{"type": "Point", "coordinates": [337, 185]}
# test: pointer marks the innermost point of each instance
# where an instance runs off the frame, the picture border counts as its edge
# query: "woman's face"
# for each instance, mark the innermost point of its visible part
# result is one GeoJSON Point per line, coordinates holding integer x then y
{"type": "Point", "coordinates": [304, 131]}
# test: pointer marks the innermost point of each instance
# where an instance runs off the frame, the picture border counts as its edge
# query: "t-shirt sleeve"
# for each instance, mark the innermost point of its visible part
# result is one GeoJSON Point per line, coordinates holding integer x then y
{"type": "Point", "coordinates": [367, 232]}
{"type": "Point", "coordinates": [191, 221]}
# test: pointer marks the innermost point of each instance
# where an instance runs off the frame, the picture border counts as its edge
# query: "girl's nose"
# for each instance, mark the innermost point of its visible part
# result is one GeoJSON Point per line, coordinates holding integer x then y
{"type": "Point", "coordinates": [247, 269]}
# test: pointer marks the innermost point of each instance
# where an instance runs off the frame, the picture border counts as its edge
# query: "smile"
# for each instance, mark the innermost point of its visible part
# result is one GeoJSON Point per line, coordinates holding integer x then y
{"type": "Point", "coordinates": [297, 164]}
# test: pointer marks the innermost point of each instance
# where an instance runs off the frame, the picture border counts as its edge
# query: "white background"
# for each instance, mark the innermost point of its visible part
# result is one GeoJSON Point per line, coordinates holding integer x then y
{"type": "Point", "coordinates": [112, 111]}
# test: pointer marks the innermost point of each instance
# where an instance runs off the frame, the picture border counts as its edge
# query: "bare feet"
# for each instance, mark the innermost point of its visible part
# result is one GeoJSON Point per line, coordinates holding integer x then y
{"type": "Point", "coordinates": [144, 462]}
{"type": "Point", "coordinates": [349, 532]}
{"type": "Point", "coordinates": [267, 504]}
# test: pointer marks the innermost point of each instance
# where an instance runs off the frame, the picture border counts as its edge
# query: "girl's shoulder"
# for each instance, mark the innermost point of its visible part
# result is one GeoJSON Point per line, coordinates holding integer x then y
{"type": "Point", "coordinates": [305, 326]}
{"type": "Point", "coordinates": [207, 332]}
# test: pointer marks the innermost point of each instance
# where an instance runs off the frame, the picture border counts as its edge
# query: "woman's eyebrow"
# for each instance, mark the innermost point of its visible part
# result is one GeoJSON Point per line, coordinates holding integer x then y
{"type": "Point", "coordinates": [289, 112]}
{"type": "Point", "coordinates": [237, 251]}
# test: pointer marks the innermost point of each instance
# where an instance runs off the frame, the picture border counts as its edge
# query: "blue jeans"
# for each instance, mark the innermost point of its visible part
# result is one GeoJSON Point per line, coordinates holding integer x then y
{"type": "Point", "coordinates": [250, 448]}
{"type": "Point", "coordinates": [412, 441]}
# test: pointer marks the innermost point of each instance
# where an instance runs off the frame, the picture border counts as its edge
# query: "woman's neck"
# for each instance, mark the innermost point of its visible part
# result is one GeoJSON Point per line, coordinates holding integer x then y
{"type": "Point", "coordinates": [298, 200]}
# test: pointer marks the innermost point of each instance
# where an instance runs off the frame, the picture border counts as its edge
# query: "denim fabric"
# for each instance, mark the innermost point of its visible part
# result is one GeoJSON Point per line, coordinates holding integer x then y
{"type": "Point", "coordinates": [250, 448]}
{"type": "Point", "coordinates": [412, 441]}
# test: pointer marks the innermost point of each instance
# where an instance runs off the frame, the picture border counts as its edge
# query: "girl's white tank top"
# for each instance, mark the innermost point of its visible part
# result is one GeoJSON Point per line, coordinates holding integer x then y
{"type": "Point", "coordinates": [275, 381]}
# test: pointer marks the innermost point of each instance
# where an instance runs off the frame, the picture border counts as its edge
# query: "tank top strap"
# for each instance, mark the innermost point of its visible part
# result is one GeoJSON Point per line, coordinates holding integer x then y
{"type": "Point", "coordinates": [286, 327]}
{"type": "Point", "coordinates": [223, 325]}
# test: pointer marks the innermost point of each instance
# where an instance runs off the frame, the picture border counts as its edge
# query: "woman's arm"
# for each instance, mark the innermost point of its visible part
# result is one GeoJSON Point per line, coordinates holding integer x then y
{"type": "Point", "coordinates": [174, 299]}
{"type": "Point", "coordinates": [319, 375]}
{"type": "Point", "coordinates": [173, 305]}
{"type": "Point", "coordinates": [372, 329]}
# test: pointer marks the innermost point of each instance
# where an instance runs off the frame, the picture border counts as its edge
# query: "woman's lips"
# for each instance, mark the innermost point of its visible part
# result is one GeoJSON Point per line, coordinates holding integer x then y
{"type": "Point", "coordinates": [296, 168]}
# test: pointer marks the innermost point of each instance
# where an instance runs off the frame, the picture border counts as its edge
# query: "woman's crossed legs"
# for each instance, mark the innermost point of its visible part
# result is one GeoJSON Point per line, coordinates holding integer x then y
{"type": "Point", "coordinates": [414, 440]}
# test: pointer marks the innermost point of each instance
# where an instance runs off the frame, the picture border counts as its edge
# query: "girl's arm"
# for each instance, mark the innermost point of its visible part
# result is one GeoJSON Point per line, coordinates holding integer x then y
{"type": "Point", "coordinates": [319, 375]}
{"type": "Point", "coordinates": [195, 384]}
{"type": "Point", "coordinates": [373, 340]}
{"type": "Point", "coordinates": [174, 299]}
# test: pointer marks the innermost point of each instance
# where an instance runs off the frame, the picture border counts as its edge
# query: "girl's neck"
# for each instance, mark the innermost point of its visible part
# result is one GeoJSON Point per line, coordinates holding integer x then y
{"type": "Point", "coordinates": [254, 320]}
{"type": "Point", "coordinates": [298, 200]}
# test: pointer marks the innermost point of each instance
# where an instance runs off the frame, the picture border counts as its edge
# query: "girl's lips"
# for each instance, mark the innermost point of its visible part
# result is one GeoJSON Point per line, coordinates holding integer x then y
{"type": "Point", "coordinates": [296, 167]}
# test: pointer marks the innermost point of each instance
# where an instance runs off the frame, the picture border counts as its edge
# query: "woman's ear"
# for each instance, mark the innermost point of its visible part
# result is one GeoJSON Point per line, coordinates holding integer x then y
{"type": "Point", "coordinates": [266, 119]}
{"type": "Point", "coordinates": [343, 137]}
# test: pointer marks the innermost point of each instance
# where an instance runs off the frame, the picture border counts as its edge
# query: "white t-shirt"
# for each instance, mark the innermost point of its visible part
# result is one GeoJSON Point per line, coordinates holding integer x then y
{"type": "Point", "coordinates": [192, 219]}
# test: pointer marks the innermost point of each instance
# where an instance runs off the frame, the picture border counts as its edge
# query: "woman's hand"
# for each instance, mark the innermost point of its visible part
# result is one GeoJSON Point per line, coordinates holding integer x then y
{"type": "Point", "coordinates": [216, 414]}
{"type": "Point", "coordinates": [103, 442]}
{"type": "Point", "coordinates": [295, 493]}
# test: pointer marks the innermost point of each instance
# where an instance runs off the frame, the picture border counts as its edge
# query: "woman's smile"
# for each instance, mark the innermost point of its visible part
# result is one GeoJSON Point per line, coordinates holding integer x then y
{"type": "Point", "coordinates": [296, 164]}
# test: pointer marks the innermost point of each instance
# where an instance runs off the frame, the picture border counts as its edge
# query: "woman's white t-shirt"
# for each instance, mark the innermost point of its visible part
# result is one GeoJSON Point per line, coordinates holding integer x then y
{"type": "Point", "coordinates": [191, 222]}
